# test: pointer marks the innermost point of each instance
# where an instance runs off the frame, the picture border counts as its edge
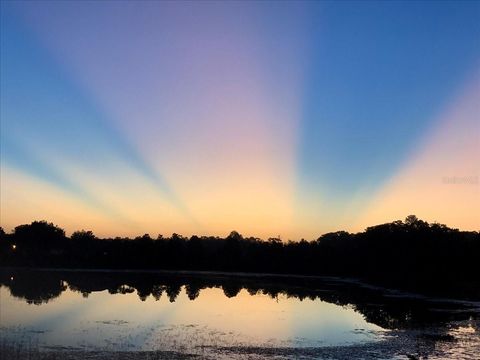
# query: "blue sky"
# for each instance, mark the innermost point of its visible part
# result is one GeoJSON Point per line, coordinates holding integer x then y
{"type": "Point", "coordinates": [381, 73]}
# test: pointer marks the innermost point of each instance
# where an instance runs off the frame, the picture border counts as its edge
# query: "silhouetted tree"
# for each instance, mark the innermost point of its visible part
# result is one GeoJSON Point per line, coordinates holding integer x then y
{"type": "Point", "coordinates": [83, 235]}
{"type": "Point", "coordinates": [40, 233]}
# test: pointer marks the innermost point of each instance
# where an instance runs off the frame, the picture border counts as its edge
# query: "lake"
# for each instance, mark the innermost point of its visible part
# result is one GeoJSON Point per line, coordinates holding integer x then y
{"type": "Point", "coordinates": [46, 314]}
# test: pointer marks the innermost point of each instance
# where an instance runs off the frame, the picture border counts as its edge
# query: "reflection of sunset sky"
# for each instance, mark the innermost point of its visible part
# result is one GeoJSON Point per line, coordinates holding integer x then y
{"type": "Point", "coordinates": [72, 320]}
{"type": "Point", "coordinates": [287, 118]}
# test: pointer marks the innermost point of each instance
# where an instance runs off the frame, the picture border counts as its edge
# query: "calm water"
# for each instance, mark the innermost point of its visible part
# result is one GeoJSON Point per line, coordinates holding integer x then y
{"type": "Point", "coordinates": [217, 316]}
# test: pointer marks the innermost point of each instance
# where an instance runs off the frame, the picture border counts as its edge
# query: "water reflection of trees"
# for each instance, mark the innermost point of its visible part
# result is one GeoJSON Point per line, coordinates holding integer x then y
{"type": "Point", "coordinates": [36, 288]}
{"type": "Point", "coordinates": [377, 306]}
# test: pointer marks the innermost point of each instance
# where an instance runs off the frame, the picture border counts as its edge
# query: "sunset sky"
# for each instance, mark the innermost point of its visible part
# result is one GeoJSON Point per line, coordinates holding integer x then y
{"type": "Point", "coordinates": [269, 118]}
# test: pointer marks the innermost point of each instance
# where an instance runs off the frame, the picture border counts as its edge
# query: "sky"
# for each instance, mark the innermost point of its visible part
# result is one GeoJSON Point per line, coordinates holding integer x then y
{"type": "Point", "coordinates": [285, 119]}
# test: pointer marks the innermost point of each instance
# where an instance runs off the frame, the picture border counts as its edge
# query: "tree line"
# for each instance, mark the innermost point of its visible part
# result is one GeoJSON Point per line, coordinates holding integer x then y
{"type": "Point", "coordinates": [411, 253]}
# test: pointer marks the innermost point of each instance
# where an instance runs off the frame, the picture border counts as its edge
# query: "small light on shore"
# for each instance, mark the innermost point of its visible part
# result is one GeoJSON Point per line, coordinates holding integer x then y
{"type": "Point", "coordinates": [14, 247]}
{"type": "Point", "coordinates": [11, 278]}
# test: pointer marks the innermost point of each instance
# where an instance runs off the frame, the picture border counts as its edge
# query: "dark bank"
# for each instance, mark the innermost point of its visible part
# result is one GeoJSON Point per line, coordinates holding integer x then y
{"type": "Point", "coordinates": [412, 255]}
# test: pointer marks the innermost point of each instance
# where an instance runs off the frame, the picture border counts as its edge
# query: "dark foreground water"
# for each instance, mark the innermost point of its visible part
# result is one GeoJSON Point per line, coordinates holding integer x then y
{"type": "Point", "coordinates": [131, 315]}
